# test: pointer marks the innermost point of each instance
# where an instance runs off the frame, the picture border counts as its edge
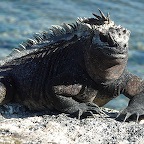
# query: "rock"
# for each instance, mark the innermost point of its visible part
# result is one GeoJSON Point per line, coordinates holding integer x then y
{"type": "Point", "coordinates": [19, 126]}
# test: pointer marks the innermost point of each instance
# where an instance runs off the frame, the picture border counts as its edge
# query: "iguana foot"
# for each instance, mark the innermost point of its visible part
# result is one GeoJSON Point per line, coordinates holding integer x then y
{"type": "Point", "coordinates": [74, 108]}
{"type": "Point", "coordinates": [134, 110]}
{"type": "Point", "coordinates": [86, 109]}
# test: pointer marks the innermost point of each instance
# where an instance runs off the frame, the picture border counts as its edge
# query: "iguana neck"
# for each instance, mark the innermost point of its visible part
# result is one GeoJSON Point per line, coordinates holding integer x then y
{"type": "Point", "coordinates": [102, 69]}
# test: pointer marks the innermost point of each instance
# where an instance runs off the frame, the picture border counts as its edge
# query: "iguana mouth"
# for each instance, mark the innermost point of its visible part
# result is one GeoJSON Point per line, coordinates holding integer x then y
{"type": "Point", "coordinates": [114, 52]}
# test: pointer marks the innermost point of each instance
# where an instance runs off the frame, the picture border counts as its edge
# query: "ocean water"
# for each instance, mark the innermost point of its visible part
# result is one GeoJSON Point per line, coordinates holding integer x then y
{"type": "Point", "coordinates": [20, 19]}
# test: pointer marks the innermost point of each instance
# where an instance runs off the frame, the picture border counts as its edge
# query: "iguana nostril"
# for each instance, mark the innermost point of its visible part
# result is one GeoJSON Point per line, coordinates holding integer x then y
{"type": "Point", "coordinates": [124, 31]}
{"type": "Point", "coordinates": [125, 45]}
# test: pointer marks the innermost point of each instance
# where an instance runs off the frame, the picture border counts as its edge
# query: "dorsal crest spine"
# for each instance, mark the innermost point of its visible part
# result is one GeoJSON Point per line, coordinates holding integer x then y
{"type": "Point", "coordinates": [64, 31]}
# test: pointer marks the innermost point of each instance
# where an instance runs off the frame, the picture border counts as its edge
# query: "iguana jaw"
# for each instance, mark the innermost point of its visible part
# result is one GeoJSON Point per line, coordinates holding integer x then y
{"type": "Point", "coordinates": [105, 69]}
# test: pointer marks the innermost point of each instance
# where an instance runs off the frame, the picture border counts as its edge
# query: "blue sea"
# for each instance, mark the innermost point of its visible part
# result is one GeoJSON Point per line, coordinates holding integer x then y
{"type": "Point", "coordinates": [20, 19]}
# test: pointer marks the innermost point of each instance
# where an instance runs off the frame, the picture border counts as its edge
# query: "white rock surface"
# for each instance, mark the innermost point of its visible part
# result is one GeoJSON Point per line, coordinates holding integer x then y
{"type": "Point", "coordinates": [21, 127]}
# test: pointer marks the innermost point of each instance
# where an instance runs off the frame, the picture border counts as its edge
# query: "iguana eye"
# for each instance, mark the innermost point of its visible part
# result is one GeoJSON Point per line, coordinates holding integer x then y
{"type": "Point", "coordinates": [103, 38]}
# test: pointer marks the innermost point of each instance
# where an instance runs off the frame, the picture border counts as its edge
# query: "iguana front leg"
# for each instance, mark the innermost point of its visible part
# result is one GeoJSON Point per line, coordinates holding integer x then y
{"type": "Point", "coordinates": [134, 90]}
{"type": "Point", "coordinates": [63, 100]}
{"type": "Point", "coordinates": [6, 90]}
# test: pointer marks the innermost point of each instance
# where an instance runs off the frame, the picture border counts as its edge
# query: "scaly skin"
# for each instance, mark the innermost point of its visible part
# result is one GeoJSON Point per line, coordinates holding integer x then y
{"type": "Point", "coordinates": [74, 72]}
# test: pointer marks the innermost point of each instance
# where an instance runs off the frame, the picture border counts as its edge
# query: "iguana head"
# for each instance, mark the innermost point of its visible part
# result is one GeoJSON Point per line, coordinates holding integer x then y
{"type": "Point", "coordinates": [109, 38]}
{"type": "Point", "coordinates": [108, 53]}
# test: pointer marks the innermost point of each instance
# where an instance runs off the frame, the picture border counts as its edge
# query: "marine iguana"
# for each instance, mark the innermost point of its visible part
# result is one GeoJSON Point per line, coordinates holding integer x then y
{"type": "Point", "coordinates": [73, 68]}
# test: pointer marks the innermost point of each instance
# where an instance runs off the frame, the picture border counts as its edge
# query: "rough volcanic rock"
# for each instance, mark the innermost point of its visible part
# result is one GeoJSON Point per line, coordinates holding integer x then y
{"type": "Point", "coordinates": [19, 126]}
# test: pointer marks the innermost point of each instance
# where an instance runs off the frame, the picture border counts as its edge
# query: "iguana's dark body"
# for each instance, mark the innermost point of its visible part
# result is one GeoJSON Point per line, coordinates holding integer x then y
{"type": "Point", "coordinates": [71, 75]}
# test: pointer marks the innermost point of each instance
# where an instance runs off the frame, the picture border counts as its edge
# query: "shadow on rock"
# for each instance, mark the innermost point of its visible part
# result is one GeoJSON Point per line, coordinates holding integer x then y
{"type": "Point", "coordinates": [14, 110]}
